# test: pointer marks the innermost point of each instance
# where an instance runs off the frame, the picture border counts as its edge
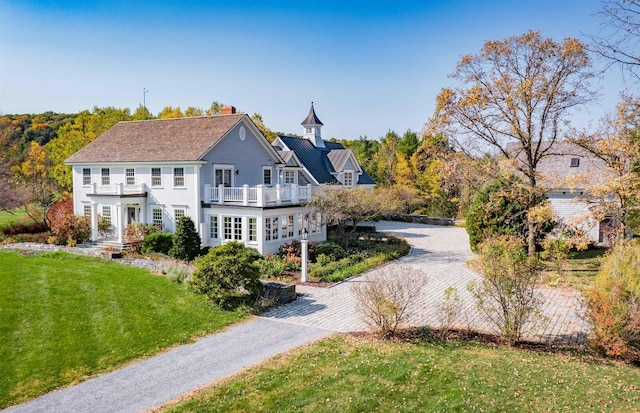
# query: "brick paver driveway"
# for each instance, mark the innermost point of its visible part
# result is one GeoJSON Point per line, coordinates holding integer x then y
{"type": "Point", "coordinates": [440, 253]}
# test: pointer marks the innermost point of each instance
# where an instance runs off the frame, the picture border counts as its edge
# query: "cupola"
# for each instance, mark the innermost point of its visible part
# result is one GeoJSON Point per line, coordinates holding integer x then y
{"type": "Point", "coordinates": [312, 126]}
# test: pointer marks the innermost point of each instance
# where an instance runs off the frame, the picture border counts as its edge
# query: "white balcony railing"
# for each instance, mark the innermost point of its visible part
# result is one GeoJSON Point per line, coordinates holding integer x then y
{"type": "Point", "coordinates": [118, 189]}
{"type": "Point", "coordinates": [257, 195]}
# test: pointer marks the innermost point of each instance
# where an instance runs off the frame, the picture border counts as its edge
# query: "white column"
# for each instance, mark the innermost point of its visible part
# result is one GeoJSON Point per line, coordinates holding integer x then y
{"type": "Point", "coordinates": [119, 218]}
{"type": "Point", "coordinates": [294, 193]}
{"type": "Point", "coordinates": [245, 194]}
{"type": "Point", "coordinates": [278, 194]}
{"type": "Point", "coordinates": [260, 195]}
{"type": "Point", "coordinates": [94, 220]}
{"type": "Point", "coordinates": [221, 194]}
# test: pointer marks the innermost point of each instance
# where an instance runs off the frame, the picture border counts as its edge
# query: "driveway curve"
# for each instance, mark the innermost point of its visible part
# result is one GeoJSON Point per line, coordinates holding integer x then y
{"type": "Point", "coordinates": [440, 253]}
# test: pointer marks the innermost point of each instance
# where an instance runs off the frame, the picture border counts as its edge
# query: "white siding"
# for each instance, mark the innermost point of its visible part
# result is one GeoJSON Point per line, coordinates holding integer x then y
{"type": "Point", "coordinates": [575, 212]}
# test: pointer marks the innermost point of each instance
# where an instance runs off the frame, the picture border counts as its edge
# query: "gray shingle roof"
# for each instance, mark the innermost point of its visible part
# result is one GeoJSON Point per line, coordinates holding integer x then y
{"type": "Point", "coordinates": [311, 118]}
{"type": "Point", "coordinates": [181, 139]}
{"type": "Point", "coordinates": [556, 170]}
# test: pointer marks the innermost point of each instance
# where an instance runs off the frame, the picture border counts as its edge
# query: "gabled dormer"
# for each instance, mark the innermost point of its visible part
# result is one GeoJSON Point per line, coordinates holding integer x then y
{"type": "Point", "coordinates": [312, 126]}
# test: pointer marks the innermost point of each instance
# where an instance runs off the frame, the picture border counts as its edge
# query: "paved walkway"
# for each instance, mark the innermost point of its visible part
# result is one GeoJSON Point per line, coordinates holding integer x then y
{"type": "Point", "coordinates": [440, 253]}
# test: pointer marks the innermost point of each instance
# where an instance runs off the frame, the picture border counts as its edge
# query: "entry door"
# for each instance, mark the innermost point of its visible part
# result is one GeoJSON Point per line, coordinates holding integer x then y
{"type": "Point", "coordinates": [131, 215]}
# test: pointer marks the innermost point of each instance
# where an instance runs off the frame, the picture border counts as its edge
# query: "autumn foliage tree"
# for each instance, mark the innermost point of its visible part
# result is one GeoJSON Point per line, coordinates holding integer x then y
{"type": "Point", "coordinates": [617, 41]}
{"type": "Point", "coordinates": [514, 97]}
{"type": "Point", "coordinates": [345, 208]}
{"type": "Point", "coordinates": [614, 192]}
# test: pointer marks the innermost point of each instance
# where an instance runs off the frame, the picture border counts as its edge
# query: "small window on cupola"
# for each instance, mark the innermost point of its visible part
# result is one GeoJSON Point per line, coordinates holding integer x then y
{"type": "Point", "coordinates": [575, 162]}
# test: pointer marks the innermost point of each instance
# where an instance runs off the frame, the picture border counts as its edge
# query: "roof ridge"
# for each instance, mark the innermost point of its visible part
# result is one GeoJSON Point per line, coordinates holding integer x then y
{"type": "Point", "coordinates": [181, 118]}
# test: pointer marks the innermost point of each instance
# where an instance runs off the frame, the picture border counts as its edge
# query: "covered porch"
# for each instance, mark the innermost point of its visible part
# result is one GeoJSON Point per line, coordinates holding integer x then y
{"type": "Point", "coordinates": [110, 215]}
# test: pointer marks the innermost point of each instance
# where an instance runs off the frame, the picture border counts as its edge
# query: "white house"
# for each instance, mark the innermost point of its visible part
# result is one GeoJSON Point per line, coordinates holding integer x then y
{"type": "Point", "coordinates": [567, 175]}
{"type": "Point", "coordinates": [218, 170]}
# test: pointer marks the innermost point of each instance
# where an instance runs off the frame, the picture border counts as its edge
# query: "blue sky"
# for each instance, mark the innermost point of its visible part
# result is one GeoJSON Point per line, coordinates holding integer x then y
{"type": "Point", "coordinates": [369, 66]}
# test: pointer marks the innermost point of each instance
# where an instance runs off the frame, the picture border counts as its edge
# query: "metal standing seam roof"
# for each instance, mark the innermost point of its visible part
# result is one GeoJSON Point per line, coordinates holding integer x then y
{"type": "Point", "coordinates": [181, 139]}
{"type": "Point", "coordinates": [312, 118]}
{"type": "Point", "coordinates": [317, 162]}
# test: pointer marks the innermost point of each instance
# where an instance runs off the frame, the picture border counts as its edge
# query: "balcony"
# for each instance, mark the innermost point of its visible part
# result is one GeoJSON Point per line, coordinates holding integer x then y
{"type": "Point", "coordinates": [259, 196]}
{"type": "Point", "coordinates": [118, 189]}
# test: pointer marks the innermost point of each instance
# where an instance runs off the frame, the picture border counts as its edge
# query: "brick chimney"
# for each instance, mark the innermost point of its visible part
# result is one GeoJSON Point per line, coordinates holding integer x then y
{"type": "Point", "coordinates": [227, 110]}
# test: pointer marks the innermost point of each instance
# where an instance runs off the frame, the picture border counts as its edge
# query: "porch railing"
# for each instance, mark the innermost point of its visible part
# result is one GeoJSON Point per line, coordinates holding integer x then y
{"type": "Point", "coordinates": [118, 189]}
{"type": "Point", "coordinates": [257, 195]}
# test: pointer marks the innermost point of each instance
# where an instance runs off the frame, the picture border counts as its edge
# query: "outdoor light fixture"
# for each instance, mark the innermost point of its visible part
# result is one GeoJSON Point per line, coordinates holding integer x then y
{"type": "Point", "coordinates": [237, 172]}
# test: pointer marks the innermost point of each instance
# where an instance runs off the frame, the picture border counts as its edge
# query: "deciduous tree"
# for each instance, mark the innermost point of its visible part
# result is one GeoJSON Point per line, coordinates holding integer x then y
{"type": "Point", "coordinates": [346, 208]}
{"type": "Point", "coordinates": [618, 39]}
{"type": "Point", "coordinates": [515, 97]}
{"type": "Point", "coordinates": [616, 190]}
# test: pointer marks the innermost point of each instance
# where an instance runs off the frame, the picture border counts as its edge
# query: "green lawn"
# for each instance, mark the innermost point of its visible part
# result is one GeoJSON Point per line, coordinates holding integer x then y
{"type": "Point", "coordinates": [7, 218]}
{"type": "Point", "coordinates": [580, 269]}
{"type": "Point", "coordinates": [65, 317]}
{"type": "Point", "coordinates": [347, 374]}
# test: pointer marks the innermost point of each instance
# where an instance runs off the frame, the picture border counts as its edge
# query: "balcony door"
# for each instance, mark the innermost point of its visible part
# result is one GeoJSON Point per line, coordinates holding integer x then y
{"type": "Point", "coordinates": [223, 175]}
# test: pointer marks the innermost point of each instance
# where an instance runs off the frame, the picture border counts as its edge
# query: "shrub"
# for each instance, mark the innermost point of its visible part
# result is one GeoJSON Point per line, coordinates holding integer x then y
{"type": "Point", "coordinates": [67, 228]}
{"type": "Point", "coordinates": [613, 304]}
{"type": "Point", "coordinates": [324, 260]}
{"type": "Point", "coordinates": [500, 208]}
{"type": "Point", "coordinates": [332, 250]}
{"type": "Point", "coordinates": [134, 235]}
{"type": "Point", "coordinates": [179, 273]}
{"type": "Point", "coordinates": [272, 266]}
{"type": "Point", "coordinates": [186, 241]}
{"type": "Point", "coordinates": [448, 310]}
{"type": "Point", "coordinates": [293, 250]}
{"type": "Point", "coordinates": [384, 300]}
{"type": "Point", "coordinates": [27, 228]}
{"type": "Point", "coordinates": [160, 242]}
{"type": "Point", "coordinates": [228, 273]}
{"type": "Point", "coordinates": [507, 295]}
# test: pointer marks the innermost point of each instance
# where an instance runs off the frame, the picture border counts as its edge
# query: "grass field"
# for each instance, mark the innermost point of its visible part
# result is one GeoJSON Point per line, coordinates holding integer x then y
{"type": "Point", "coordinates": [580, 270]}
{"type": "Point", "coordinates": [349, 374]}
{"type": "Point", "coordinates": [64, 318]}
{"type": "Point", "coordinates": [8, 218]}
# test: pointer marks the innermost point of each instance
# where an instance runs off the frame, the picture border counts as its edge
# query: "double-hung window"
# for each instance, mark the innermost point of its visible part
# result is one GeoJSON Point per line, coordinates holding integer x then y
{"type": "Point", "coordinates": [106, 214]}
{"type": "Point", "coordinates": [157, 217]}
{"type": "Point", "coordinates": [131, 176]}
{"type": "Point", "coordinates": [253, 229]}
{"type": "Point", "coordinates": [86, 176]}
{"type": "Point", "coordinates": [266, 176]}
{"type": "Point", "coordinates": [106, 176]}
{"type": "Point", "coordinates": [178, 177]}
{"type": "Point", "coordinates": [178, 213]}
{"type": "Point", "coordinates": [213, 227]}
{"type": "Point", "coordinates": [87, 210]}
{"type": "Point", "coordinates": [156, 177]}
